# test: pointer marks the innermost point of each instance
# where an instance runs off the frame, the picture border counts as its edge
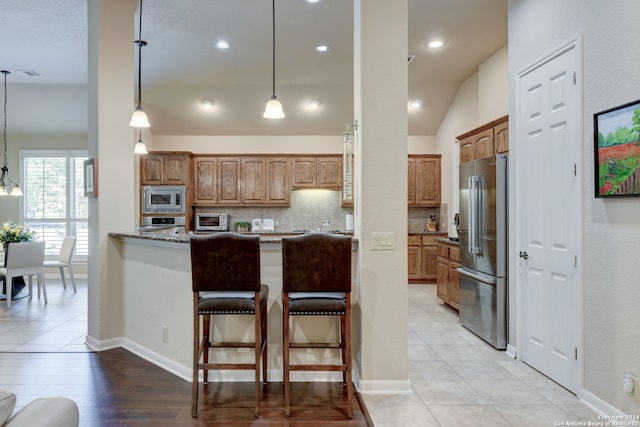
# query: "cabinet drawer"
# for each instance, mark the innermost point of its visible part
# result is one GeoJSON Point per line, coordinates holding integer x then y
{"type": "Point", "coordinates": [443, 251]}
{"type": "Point", "coordinates": [414, 240]}
{"type": "Point", "coordinates": [429, 240]}
{"type": "Point", "coordinates": [454, 253]}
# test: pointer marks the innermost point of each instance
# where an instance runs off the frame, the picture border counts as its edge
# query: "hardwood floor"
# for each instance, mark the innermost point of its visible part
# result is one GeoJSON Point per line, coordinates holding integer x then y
{"type": "Point", "coordinates": [117, 388]}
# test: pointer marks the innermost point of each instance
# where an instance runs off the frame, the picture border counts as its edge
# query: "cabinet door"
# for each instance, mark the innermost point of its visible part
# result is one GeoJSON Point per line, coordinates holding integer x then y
{"type": "Point", "coordinates": [174, 169]}
{"type": "Point", "coordinates": [454, 286]}
{"type": "Point", "coordinates": [467, 150]}
{"type": "Point", "coordinates": [151, 169]}
{"type": "Point", "coordinates": [205, 180]}
{"type": "Point", "coordinates": [411, 181]}
{"type": "Point", "coordinates": [429, 262]}
{"type": "Point", "coordinates": [415, 262]}
{"type": "Point", "coordinates": [304, 172]}
{"type": "Point", "coordinates": [278, 181]}
{"type": "Point", "coordinates": [483, 143]}
{"type": "Point", "coordinates": [442, 288]}
{"type": "Point", "coordinates": [329, 172]}
{"type": "Point", "coordinates": [229, 180]}
{"type": "Point", "coordinates": [427, 181]}
{"type": "Point", "coordinates": [501, 138]}
{"type": "Point", "coordinates": [254, 180]}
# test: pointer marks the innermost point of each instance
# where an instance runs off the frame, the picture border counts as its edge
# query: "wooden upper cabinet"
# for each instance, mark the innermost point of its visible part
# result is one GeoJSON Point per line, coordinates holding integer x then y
{"type": "Point", "coordinates": [467, 150]}
{"type": "Point", "coordinates": [501, 138]}
{"type": "Point", "coordinates": [485, 141]}
{"type": "Point", "coordinates": [424, 180]}
{"type": "Point", "coordinates": [304, 172]}
{"type": "Point", "coordinates": [316, 172]}
{"type": "Point", "coordinates": [205, 180]}
{"type": "Point", "coordinates": [254, 180]}
{"type": "Point", "coordinates": [229, 180]}
{"type": "Point", "coordinates": [164, 169]}
{"type": "Point", "coordinates": [278, 181]}
{"type": "Point", "coordinates": [329, 172]}
{"type": "Point", "coordinates": [411, 182]}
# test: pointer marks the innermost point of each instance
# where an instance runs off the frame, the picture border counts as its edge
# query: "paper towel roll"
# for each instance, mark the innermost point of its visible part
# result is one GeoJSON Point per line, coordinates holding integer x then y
{"type": "Point", "coordinates": [349, 222]}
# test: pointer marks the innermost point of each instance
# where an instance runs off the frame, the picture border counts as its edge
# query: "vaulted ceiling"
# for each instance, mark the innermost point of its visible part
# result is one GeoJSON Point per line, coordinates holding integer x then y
{"type": "Point", "coordinates": [182, 65]}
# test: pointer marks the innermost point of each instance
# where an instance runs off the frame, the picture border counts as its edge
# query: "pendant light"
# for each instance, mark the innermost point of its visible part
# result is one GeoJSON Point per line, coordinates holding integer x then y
{"type": "Point", "coordinates": [7, 185]}
{"type": "Point", "coordinates": [139, 118]}
{"type": "Point", "coordinates": [140, 148]}
{"type": "Point", "coordinates": [273, 109]}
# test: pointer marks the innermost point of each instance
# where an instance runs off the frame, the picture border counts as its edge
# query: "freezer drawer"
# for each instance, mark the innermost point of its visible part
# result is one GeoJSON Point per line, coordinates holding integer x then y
{"type": "Point", "coordinates": [483, 308]}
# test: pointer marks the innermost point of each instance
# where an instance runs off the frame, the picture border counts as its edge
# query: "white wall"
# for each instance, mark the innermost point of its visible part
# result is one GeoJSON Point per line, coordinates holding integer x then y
{"type": "Point", "coordinates": [611, 233]}
{"type": "Point", "coordinates": [493, 88]}
{"type": "Point", "coordinates": [234, 144]}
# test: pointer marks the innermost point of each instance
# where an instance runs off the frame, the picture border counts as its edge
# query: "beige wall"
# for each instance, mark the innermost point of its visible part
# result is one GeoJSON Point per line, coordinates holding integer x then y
{"type": "Point", "coordinates": [611, 228]}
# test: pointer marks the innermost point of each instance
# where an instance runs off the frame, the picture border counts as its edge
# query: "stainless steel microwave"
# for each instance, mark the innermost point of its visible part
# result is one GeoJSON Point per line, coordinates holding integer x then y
{"type": "Point", "coordinates": [163, 199]}
{"type": "Point", "coordinates": [211, 221]}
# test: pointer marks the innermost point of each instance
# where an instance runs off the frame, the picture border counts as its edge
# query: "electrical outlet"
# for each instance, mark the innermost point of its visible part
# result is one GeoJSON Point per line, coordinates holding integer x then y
{"type": "Point", "coordinates": [165, 334]}
{"type": "Point", "coordinates": [629, 383]}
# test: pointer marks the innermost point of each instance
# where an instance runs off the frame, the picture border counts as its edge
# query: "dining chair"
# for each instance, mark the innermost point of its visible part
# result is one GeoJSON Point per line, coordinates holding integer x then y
{"type": "Point", "coordinates": [24, 259]}
{"type": "Point", "coordinates": [64, 260]}
{"type": "Point", "coordinates": [316, 280]}
{"type": "Point", "coordinates": [225, 270]}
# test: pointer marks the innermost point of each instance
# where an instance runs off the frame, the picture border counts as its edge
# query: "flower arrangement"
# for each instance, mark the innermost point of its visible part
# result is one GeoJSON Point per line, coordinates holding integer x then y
{"type": "Point", "coordinates": [11, 233]}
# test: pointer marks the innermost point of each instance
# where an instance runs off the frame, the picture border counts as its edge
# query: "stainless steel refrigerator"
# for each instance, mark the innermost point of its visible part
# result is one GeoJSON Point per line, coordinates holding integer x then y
{"type": "Point", "coordinates": [483, 248]}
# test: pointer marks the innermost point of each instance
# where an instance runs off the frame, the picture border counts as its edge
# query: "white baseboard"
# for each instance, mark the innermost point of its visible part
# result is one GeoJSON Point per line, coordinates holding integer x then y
{"type": "Point", "coordinates": [384, 387]}
{"type": "Point", "coordinates": [604, 408]}
{"type": "Point", "coordinates": [512, 351]}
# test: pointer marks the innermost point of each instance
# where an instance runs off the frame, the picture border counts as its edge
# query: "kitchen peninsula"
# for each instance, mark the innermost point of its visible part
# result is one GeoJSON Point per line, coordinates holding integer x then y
{"type": "Point", "coordinates": [158, 302]}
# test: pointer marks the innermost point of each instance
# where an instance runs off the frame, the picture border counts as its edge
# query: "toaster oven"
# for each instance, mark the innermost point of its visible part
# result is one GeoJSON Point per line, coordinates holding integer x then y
{"type": "Point", "coordinates": [211, 221]}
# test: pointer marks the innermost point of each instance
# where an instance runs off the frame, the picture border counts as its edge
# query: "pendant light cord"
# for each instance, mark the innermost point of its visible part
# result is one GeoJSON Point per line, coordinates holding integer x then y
{"type": "Point", "coordinates": [4, 129]}
{"type": "Point", "coordinates": [273, 46]}
{"type": "Point", "coordinates": [140, 43]}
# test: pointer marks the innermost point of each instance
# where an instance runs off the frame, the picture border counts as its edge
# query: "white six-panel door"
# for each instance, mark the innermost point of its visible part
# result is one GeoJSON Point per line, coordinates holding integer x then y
{"type": "Point", "coordinates": [548, 198]}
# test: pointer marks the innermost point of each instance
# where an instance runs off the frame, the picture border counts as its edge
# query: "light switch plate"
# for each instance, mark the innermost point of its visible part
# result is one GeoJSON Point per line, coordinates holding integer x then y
{"type": "Point", "coordinates": [383, 240]}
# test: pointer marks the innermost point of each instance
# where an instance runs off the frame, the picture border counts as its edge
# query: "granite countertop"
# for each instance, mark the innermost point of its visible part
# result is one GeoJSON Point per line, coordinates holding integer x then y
{"type": "Point", "coordinates": [447, 240]}
{"type": "Point", "coordinates": [169, 236]}
{"type": "Point", "coordinates": [423, 232]}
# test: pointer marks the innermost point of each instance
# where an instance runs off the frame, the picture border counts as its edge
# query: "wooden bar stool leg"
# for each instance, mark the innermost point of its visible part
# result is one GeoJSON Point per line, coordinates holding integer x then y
{"type": "Point", "coordinates": [257, 352]}
{"type": "Point", "coordinates": [206, 343]}
{"type": "Point", "coordinates": [347, 328]}
{"type": "Point", "coordinates": [343, 349]}
{"type": "Point", "coordinates": [196, 357]}
{"type": "Point", "coordinates": [285, 356]}
{"type": "Point", "coordinates": [264, 343]}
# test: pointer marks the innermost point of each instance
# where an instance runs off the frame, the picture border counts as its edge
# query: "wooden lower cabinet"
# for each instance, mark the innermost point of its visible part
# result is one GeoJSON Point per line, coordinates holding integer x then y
{"type": "Point", "coordinates": [423, 257]}
{"type": "Point", "coordinates": [448, 280]}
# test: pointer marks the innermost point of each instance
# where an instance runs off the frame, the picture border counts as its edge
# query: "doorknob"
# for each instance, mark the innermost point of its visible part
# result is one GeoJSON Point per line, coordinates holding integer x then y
{"type": "Point", "coordinates": [524, 255]}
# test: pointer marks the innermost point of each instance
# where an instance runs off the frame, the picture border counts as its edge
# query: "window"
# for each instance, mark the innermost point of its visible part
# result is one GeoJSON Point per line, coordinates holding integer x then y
{"type": "Point", "coordinates": [54, 204]}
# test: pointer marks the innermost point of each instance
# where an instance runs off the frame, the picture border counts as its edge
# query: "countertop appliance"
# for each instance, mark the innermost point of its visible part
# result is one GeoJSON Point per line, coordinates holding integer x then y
{"type": "Point", "coordinates": [163, 199]}
{"type": "Point", "coordinates": [483, 248]}
{"type": "Point", "coordinates": [211, 221]}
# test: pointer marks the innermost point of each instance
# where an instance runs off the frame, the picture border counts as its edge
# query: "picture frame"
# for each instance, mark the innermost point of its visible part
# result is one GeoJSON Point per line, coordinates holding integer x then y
{"type": "Point", "coordinates": [616, 138]}
{"type": "Point", "coordinates": [91, 177]}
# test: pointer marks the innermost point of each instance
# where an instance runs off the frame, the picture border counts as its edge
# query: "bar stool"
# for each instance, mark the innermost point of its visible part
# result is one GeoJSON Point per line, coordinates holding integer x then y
{"type": "Point", "coordinates": [317, 281]}
{"type": "Point", "coordinates": [225, 270]}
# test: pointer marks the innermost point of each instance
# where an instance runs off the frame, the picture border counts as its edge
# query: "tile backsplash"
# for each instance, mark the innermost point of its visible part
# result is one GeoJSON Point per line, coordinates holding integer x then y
{"type": "Point", "coordinates": [310, 207]}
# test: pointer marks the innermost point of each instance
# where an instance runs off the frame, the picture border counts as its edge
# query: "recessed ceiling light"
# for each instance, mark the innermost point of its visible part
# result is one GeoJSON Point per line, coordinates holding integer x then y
{"type": "Point", "coordinates": [206, 103]}
{"type": "Point", "coordinates": [435, 44]}
{"type": "Point", "coordinates": [415, 104]}
{"type": "Point", "coordinates": [222, 45]}
{"type": "Point", "coordinates": [313, 104]}
{"type": "Point", "coordinates": [322, 48]}
{"type": "Point", "coordinates": [313, 1]}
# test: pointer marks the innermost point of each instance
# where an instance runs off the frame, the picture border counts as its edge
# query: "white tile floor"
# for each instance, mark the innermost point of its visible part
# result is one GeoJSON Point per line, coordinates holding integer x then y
{"type": "Point", "coordinates": [61, 325]}
{"type": "Point", "coordinates": [458, 380]}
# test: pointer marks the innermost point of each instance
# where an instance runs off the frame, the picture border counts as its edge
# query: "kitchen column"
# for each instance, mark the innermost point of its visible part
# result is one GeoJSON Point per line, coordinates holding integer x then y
{"type": "Point", "coordinates": [380, 95]}
{"type": "Point", "coordinates": [111, 140]}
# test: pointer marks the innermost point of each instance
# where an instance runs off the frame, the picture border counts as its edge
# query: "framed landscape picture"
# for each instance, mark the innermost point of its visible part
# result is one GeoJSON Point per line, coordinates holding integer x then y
{"type": "Point", "coordinates": [617, 151]}
{"type": "Point", "coordinates": [91, 178]}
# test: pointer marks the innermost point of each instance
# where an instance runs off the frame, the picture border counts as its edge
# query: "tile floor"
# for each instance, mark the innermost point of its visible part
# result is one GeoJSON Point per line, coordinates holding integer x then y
{"type": "Point", "coordinates": [458, 380]}
{"type": "Point", "coordinates": [61, 325]}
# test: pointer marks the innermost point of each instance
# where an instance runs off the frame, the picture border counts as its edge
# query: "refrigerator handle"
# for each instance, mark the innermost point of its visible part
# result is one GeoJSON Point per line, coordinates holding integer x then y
{"type": "Point", "coordinates": [480, 210]}
{"type": "Point", "coordinates": [475, 215]}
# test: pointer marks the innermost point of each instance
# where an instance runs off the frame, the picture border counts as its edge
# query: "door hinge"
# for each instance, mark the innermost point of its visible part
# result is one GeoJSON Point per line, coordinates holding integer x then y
{"type": "Point", "coordinates": [575, 261]}
{"type": "Point", "coordinates": [575, 352]}
{"type": "Point", "coordinates": [574, 78]}
{"type": "Point", "coordinates": [575, 170]}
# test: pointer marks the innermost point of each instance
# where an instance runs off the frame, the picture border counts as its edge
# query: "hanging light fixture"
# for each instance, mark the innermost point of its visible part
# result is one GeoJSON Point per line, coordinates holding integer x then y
{"type": "Point", "coordinates": [7, 185]}
{"type": "Point", "coordinates": [273, 109]}
{"type": "Point", "coordinates": [140, 148]}
{"type": "Point", "coordinates": [139, 118]}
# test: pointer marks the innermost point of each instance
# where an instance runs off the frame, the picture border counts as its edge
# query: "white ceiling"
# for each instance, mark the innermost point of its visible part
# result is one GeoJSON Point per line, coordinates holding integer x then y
{"type": "Point", "coordinates": [181, 65]}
